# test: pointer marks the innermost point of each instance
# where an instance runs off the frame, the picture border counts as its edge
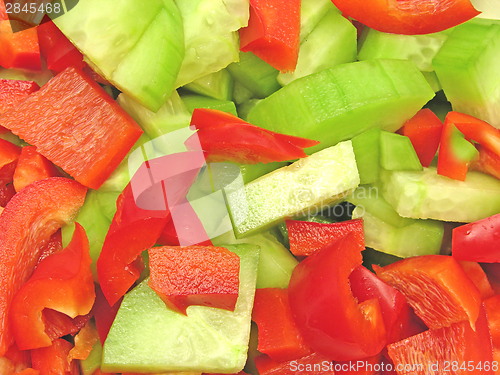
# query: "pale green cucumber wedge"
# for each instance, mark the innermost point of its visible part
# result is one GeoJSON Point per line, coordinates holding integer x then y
{"type": "Point", "coordinates": [390, 233]}
{"type": "Point", "coordinates": [211, 37]}
{"type": "Point", "coordinates": [332, 42]}
{"type": "Point", "coordinates": [240, 93]}
{"type": "Point", "coordinates": [367, 150]}
{"type": "Point", "coordinates": [427, 195]}
{"type": "Point", "coordinates": [245, 108]}
{"type": "Point", "coordinates": [173, 115]}
{"type": "Point", "coordinates": [339, 103]}
{"type": "Point", "coordinates": [311, 12]}
{"type": "Point", "coordinates": [23, 75]}
{"type": "Point", "coordinates": [397, 153]}
{"type": "Point", "coordinates": [218, 85]}
{"type": "Point", "coordinates": [419, 48]}
{"type": "Point", "coordinates": [276, 263]}
{"type": "Point", "coordinates": [199, 101]}
{"type": "Point", "coordinates": [311, 183]}
{"type": "Point", "coordinates": [139, 49]}
{"type": "Point", "coordinates": [255, 75]}
{"type": "Point", "coordinates": [467, 68]}
{"type": "Point", "coordinates": [146, 336]}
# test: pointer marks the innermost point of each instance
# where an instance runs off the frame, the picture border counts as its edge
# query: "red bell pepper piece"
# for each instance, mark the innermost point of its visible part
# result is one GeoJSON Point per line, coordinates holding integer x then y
{"type": "Point", "coordinates": [436, 287]}
{"type": "Point", "coordinates": [3, 12]}
{"type": "Point", "coordinates": [57, 324]}
{"type": "Point", "coordinates": [408, 17]}
{"type": "Point", "coordinates": [9, 156]}
{"type": "Point", "coordinates": [84, 341]}
{"type": "Point", "coordinates": [487, 162]}
{"type": "Point", "coordinates": [478, 277]}
{"type": "Point", "coordinates": [18, 358]}
{"type": "Point", "coordinates": [318, 286]}
{"type": "Point", "coordinates": [227, 138]}
{"type": "Point", "coordinates": [424, 130]}
{"type": "Point", "coordinates": [104, 314]}
{"type": "Point", "coordinates": [307, 237]}
{"type": "Point", "coordinates": [12, 92]}
{"type": "Point", "coordinates": [53, 360]}
{"type": "Point", "coordinates": [312, 364]}
{"type": "Point", "coordinates": [59, 52]}
{"type": "Point", "coordinates": [492, 308]}
{"type": "Point", "coordinates": [75, 124]}
{"type": "Point", "coordinates": [29, 371]}
{"type": "Point", "coordinates": [53, 246]}
{"type": "Point", "coordinates": [26, 224]}
{"type": "Point", "coordinates": [457, 349]}
{"type": "Point", "coordinates": [32, 167]}
{"type": "Point", "coordinates": [6, 194]}
{"type": "Point", "coordinates": [477, 130]}
{"type": "Point", "coordinates": [195, 275]}
{"type": "Point", "coordinates": [365, 285]}
{"type": "Point", "coordinates": [279, 337]}
{"type": "Point", "coordinates": [273, 32]}
{"type": "Point", "coordinates": [184, 228]}
{"type": "Point", "coordinates": [135, 229]}
{"type": "Point", "coordinates": [478, 241]}
{"type": "Point", "coordinates": [454, 157]}
{"type": "Point", "coordinates": [19, 50]}
{"type": "Point", "coordinates": [63, 282]}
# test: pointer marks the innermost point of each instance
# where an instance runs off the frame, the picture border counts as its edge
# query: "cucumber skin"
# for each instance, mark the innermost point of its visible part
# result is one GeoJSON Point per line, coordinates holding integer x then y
{"type": "Point", "coordinates": [339, 103]}
{"type": "Point", "coordinates": [427, 195]}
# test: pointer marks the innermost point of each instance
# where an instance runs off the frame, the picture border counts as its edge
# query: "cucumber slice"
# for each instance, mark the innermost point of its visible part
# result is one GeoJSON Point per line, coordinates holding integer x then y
{"type": "Point", "coordinates": [397, 153]}
{"type": "Point", "coordinates": [245, 108]}
{"type": "Point", "coordinates": [332, 42]}
{"type": "Point", "coordinates": [419, 48]}
{"type": "Point", "coordinates": [173, 115]}
{"type": "Point", "coordinates": [240, 93]}
{"type": "Point", "coordinates": [390, 233]}
{"type": "Point", "coordinates": [311, 12]}
{"type": "Point", "coordinates": [308, 184]}
{"type": "Point", "coordinates": [198, 101]}
{"type": "Point", "coordinates": [367, 150]}
{"type": "Point", "coordinates": [93, 361]}
{"type": "Point", "coordinates": [427, 195]}
{"type": "Point", "coordinates": [218, 85]}
{"type": "Point", "coordinates": [422, 237]}
{"type": "Point", "coordinates": [210, 33]}
{"type": "Point", "coordinates": [146, 336]}
{"type": "Point", "coordinates": [467, 68]}
{"type": "Point", "coordinates": [255, 75]}
{"type": "Point", "coordinates": [340, 103]}
{"type": "Point", "coordinates": [488, 8]}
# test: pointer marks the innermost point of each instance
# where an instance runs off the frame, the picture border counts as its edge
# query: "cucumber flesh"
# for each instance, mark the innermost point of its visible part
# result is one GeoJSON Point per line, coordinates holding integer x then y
{"type": "Point", "coordinates": [367, 150]}
{"type": "Point", "coordinates": [218, 85]}
{"type": "Point", "coordinates": [419, 48]}
{"type": "Point", "coordinates": [390, 233]}
{"type": "Point", "coordinates": [173, 115]}
{"type": "Point", "coordinates": [93, 361]}
{"type": "Point", "coordinates": [307, 185]}
{"type": "Point", "coordinates": [206, 340]}
{"type": "Point", "coordinates": [311, 12]}
{"type": "Point", "coordinates": [332, 42]}
{"type": "Point", "coordinates": [241, 94]}
{"type": "Point", "coordinates": [397, 153]}
{"type": "Point", "coordinates": [276, 263]}
{"type": "Point", "coordinates": [255, 75]}
{"type": "Point", "coordinates": [339, 103]}
{"type": "Point", "coordinates": [427, 195]}
{"type": "Point", "coordinates": [467, 68]}
{"type": "Point", "coordinates": [198, 101]}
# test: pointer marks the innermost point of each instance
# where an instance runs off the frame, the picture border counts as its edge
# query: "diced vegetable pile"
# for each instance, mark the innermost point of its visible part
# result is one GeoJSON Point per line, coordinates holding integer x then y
{"type": "Point", "coordinates": [249, 187]}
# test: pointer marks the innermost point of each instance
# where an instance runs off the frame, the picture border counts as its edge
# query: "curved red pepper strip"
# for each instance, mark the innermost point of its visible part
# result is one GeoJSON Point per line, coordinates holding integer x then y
{"type": "Point", "coordinates": [318, 286]}
{"type": "Point", "coordinates": [26, 224]}
{"type": "Point", "coordinates": [53, 359]}
{"type": "Point", "coordinates": [9, 156]}
{"type": "Point", "coordinates": [62, 282]}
